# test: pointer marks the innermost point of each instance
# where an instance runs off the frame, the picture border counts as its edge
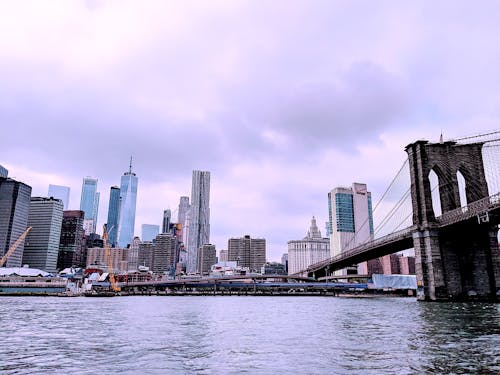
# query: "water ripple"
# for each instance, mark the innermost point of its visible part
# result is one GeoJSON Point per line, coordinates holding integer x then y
{"type": "Point", "coordinates": [246, 335]}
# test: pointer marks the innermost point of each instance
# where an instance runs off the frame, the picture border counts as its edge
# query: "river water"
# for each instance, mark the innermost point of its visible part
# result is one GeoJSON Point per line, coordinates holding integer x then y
{"type": "Point", "coordinates": [246, 335]}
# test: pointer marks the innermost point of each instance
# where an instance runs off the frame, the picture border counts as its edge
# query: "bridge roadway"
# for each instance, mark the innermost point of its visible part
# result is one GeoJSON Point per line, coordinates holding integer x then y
{"type": "Point", "coordinates": [249, 282]}
{"type": "Point", "coordinates": [486, 210]}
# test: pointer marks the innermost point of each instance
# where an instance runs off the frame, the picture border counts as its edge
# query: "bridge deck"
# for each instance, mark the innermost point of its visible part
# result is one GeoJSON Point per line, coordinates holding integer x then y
{"type": "Point", "coordinates": [403, 239]}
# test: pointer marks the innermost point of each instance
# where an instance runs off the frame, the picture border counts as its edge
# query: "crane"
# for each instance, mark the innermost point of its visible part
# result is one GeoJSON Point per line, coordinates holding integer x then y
{"type": "Point", "coordinates": [14, 246]}
{"type": "Point", "coordinates": [107, 252]}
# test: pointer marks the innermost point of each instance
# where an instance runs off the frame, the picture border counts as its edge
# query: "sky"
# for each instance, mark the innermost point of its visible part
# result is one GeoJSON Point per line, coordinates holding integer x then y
{"type": "Point", "coordinates": [280, 100]}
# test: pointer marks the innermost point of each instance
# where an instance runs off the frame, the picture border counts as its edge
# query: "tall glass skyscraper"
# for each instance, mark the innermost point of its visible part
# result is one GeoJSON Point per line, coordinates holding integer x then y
{"type": "Point", "coordinates": [199, 224]}
{"type": "Point", "coordinates": [14, 211]}
{"type": "Point", "coordinates": [183, 210]}
{"type": "Point", "coordinates": [113, 215]}
{"type": "Point", "coordinates": [167, 219]}
{"type": "Point", "coordinates": [60, 192]}
{"type": "Point", "coordinates": [128, 196]}
{"type": "Point", "coordinates": [351, 218]}
{"type": "Point", "coordinates": [89, 202]}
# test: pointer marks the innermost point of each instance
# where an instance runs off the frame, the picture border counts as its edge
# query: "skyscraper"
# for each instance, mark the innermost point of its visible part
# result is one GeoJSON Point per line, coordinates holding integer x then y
{"type": "Point", "coordinates": [351, 219]}
{"type": "Point", "coordinates": [164, 251]}
{"type": "Point", "coordinates": [72, 241]}
{"type": "Point", "coordinates": [113, 215]}
{"type": "Point", "coordinates": [149, 232]}
{"type": "Point", "coordinates": [42, 242]}
{"type": "Point", "coordinates": [60, 192]}
{"type": "Point", "coordinates": [3, 172]}
{"type": "Point", "coordinates": [199, 226]}
{"type": "Point", "coordinates": [167, 219]}
{"type": "Point", "coordinates": [14, 212]}
{"type": "Point", "coordinates": [183, 210]}
{"type": "Point", "coordinates": [128, 196]}
{"type": "Point", "coordinates": [89, 203]}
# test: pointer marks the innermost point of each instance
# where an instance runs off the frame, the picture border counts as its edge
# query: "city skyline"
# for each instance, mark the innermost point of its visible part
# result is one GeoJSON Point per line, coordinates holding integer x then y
{"type": "Point", "coordinates": [278, 124]}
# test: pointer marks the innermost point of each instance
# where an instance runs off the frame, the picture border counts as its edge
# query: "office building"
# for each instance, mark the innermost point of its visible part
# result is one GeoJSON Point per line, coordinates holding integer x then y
{"type": "Point", "coordinates": [394, 264]}
{"type": "Point", "coordinates": [118, 259]}
{"type": "Point", "coordinates": [351, 221]}
{"type": "Point", "coordinates": [164, 253]}
{"type": "Point", "coordinates": [145, 255]}
{"type": "Point", "coordinates": [60, 192]}
{"type": "Point", "coordinates": [113, 215]}
{"type": "Point", "coordinates": [167, 219]}
{"type": "Point", "coordinates": [247, 252]}
{"type": "Point", "coordinates": [183, 210]}
{"type": "Point", "coordinates": [223, 256]}
{"type": "Point", "coordinates": [89, 204]}
{"type": "Point", "coordinates": [133, 254]}
{"type": "Point", "coordinates": [14, 211]}
{"type": "Point", "coordinates": [4, 172]}
{"type": "Point", "coordinates": [72, 241]}
{"type": "Point", "coordinates": [42, 243]}
{"type": "Point", "coordinates": [206, 258]}
{"type": "Point", "coordinates": [149, 232]}
{"type": "Point", "coordinates": [311, 249]}
{"type": "Point", "coordinates": [128, 196]}
{"type": "Point", "coordinates": [199, 217]}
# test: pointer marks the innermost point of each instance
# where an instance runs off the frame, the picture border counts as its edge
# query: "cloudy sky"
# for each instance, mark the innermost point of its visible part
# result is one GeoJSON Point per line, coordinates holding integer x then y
{"type": "Point", "coordinates": [280, 100]}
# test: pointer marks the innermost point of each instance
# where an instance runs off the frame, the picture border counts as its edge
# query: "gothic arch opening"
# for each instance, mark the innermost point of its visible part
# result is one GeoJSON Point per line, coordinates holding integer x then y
{"type": "Point", "coordinates": [462, 189]}
{"type": "Point", "coordinates": [435, 196]}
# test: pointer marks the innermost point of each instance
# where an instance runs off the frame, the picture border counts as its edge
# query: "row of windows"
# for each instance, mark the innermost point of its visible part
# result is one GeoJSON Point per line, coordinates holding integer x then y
{"type": "Point", "coordinates": [344, 212]}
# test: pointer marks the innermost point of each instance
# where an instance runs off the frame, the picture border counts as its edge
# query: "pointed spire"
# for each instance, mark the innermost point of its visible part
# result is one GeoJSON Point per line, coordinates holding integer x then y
{"type": "Point", "coordinates": [130, 167]}
{"type": "Point", "coordinates": [441, 137]}
{"type": "Point", "coordinates": [313, 230]}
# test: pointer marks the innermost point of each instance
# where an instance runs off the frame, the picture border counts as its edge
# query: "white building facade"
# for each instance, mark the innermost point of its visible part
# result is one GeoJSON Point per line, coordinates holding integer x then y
{"type": "Point", "coordinates": [312, 249]}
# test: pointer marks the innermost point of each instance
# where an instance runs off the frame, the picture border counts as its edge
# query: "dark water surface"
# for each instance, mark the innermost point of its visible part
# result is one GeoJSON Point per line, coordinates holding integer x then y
{"type": "Point", "coordinates": [253, 335]}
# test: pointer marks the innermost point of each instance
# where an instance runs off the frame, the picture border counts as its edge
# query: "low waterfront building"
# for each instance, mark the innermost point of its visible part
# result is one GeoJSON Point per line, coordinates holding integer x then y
{"type": "Point", "coordinates": [311, 249]}
{"type": "Point", "coordinates": [228, 268]}
{"type": "Point", "coordinates": [273, 268]}
{"type": "Point", "coordinates": [30, 281]}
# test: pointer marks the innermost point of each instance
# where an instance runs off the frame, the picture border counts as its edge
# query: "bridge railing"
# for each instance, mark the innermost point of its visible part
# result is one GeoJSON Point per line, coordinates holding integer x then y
{"type": "Point", "coordinates": [467, 212]}
{"type": "Point", "coordinates": [390, 238]}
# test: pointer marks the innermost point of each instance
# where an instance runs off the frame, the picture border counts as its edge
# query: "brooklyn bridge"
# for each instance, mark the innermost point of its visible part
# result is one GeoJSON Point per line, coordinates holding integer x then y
{"type": "Point", "coordinates": [448, 210]}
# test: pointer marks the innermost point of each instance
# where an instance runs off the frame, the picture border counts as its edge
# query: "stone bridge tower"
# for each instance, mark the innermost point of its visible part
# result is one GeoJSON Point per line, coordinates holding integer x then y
{"type": "Point", "coordinates": [460, 261]}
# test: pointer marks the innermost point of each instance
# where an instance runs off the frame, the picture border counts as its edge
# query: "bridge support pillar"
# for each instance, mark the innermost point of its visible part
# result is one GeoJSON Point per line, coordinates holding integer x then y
{"type": "Point", "coordinates": [462, 260]}
{"type": "Point", "coordinates": [457, 263]}
{"type": "Point", "coordinates": [431, 285]}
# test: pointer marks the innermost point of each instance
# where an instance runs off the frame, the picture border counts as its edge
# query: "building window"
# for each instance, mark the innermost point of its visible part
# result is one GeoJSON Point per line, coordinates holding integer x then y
{"type": "Point", "coordinates": [344, 212]}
